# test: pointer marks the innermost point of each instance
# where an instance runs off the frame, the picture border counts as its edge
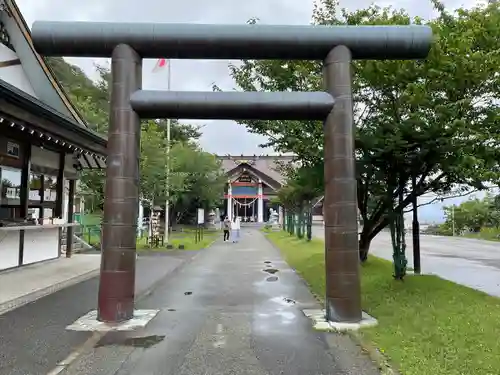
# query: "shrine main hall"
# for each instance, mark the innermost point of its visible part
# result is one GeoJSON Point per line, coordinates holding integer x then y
{"type": "Point", "coordinates": [253, 182]}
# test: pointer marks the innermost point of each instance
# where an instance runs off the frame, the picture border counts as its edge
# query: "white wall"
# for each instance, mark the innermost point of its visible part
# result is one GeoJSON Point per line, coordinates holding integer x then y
{"type": "Point", "coordinates": [39, 244]}
{"type": "Point", "coordinates": [9, 249]}
{"type": "Point", "coordinates": [15, 74]}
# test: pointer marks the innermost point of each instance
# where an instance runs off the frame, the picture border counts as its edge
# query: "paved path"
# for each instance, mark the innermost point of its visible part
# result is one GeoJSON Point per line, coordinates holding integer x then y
{"type": "Point", "coordinates": [474, 263]}
{"type": "Point", "coordinates": [224, 315]}
{"type": "Point", "coordinates": [34, 339]}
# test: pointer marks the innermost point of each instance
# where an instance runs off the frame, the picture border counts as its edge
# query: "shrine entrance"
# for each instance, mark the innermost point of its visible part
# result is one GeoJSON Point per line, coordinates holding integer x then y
{"type": "Point", "coordinates": [246, 209]}
{"type": "Point", "coordinates": [129, 43]}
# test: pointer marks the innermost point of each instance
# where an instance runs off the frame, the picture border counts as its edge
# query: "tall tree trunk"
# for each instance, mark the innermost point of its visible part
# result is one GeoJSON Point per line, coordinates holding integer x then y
{"type": "Point", "coordinates": [300, 233]}
{"type": "Point", "coordinates": [398, 238]}
{"type": "Point", "coordinates": [309, 223]}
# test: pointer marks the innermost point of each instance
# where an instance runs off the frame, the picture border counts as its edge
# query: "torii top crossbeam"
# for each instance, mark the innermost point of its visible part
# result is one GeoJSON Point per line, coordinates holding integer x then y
{"type": "Point", "coordinates": [200, 41]}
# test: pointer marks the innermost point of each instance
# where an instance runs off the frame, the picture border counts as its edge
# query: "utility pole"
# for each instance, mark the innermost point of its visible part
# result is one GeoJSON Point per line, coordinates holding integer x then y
{"type": "Point", "coordinates": [167, 188]}
{"type": "Point", "coordinates": [415, 228]}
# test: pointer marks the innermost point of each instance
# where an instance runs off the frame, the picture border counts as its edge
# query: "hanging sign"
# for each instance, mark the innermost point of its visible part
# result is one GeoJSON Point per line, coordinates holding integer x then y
{"type": "Point", "coordinates": [13, 149]}
{"type": "Point", "coordinates": [245, 178]}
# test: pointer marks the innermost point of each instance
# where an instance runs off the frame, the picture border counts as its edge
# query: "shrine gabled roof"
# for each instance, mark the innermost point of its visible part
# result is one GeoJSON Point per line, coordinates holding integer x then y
{"type": "Point", "coordinates": [39, 80]}
{"type": "Point", "coordinates": [267, 165]}
{"type": "Point", "coordinates": [236, 172]}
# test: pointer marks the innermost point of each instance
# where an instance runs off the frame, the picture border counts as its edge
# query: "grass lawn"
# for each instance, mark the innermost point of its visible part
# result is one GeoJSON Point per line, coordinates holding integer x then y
{"type": "Point", "coordinates": [186, 238]}
{"type": "Point", "coordinates": [427, 325]}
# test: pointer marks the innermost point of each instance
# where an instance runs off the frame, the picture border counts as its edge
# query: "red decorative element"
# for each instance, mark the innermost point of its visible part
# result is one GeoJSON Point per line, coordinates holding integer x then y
{"type": "Point", "coordinates": [161, 63]}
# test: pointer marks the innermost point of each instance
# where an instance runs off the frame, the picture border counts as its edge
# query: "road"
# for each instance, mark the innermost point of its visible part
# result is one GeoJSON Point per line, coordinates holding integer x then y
{"type": "Point", "coordinates": [228, 312]}
{"type": "Point", "coordinates": [474, 263]}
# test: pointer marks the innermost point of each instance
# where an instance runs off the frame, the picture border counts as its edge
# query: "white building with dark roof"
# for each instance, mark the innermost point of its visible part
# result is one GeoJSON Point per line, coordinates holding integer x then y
{"type": "Point", "coordinates": [44, 144]}
{"type": "Point", "coordinates": [253, 181]}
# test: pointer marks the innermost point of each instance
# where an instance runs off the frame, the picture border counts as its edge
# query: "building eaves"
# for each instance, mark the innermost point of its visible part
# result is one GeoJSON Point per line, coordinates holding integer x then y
{"type": "Point", "coordinates": [19, 98]}
{"type": "Point", "coordinates": [23, 26]}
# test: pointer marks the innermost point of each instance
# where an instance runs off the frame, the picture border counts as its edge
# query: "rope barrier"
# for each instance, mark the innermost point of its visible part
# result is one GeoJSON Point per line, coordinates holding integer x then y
{"type": "Point", "coordinates": [244, 204]}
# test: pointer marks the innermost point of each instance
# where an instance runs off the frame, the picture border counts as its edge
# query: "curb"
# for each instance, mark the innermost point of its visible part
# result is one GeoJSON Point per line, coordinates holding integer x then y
{"type": "Point", "coordinates": [37, 294]}
{"type": "Point", "coordinates": [373, 353]}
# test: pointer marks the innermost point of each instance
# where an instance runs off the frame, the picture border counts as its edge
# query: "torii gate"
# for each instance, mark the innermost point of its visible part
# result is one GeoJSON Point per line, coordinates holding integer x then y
{"type": "Point", "coordinates": [128, 43]}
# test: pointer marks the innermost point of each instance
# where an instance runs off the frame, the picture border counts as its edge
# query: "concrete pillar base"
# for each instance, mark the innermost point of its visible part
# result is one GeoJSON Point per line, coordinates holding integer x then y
{"type": "Point", "coordinates": [321, 324]}
{"type": "Point", "coordinates": [90, 323]}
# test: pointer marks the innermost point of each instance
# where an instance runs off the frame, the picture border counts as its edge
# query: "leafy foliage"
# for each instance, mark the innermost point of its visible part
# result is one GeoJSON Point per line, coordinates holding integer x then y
{"type": "Point", "coordinates": [436, 120]}
{"type": "Point", "coordinates": [472, 215]}
{"type": "Point", "coordinates": [195, 178]}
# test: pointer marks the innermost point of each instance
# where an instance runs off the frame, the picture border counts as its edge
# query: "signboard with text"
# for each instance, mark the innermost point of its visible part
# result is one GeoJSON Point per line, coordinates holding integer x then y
{"type": "Point", "coordinates": [245, 178]}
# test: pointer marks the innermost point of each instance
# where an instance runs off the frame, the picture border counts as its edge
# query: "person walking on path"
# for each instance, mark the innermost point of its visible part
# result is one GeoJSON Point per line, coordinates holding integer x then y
{"type": "Point", "coordinates": [235, 229]}
{"type": "Point", "coordinates": [227, 226]}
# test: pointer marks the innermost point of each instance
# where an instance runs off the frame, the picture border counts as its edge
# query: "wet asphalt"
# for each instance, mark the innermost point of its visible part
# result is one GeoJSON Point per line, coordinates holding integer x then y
{"type": "Point", "coordinates": [234, 309]}
{"type": "Point", "coordinates": [470, 262]}
{"type": "Point", "coordinates": [34, 339]}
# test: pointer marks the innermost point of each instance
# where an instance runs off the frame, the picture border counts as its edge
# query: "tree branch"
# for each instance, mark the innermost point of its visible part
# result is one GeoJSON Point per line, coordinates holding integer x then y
{"type": "Point", "coordinates": [444, 198]}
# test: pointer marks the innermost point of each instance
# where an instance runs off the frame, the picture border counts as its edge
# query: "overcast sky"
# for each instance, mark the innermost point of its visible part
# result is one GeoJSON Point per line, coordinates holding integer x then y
{"type": "Point", "coordinates": [219, 137]}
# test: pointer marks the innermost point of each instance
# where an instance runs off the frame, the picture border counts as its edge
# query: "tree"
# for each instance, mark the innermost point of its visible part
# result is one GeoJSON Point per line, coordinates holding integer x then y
{"type": "Point", "coordinates": [296, 197]}
{"type": "Point", "coordinates": [92, 101]}
{"type": "Point", "coordinates": [437, 119]}
{"type": "Point", "coordinates": [471, 215]}
{"type": "Point", "coordinates": [153, 162]}
{"type": "Point", "coordinates": [197, 180]}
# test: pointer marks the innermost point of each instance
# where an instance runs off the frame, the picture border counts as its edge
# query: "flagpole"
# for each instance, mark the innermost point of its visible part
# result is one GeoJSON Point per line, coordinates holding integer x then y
{"type": "Point", "coordinates": [167, 201]}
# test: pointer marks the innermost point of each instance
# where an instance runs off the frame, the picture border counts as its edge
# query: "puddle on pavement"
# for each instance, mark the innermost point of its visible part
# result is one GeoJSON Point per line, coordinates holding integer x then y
{"type": "Point", "coordinates": [272, 278]}
{"type": "Point", "coordinates": [188, 293]}
{"type": "Point", "coordinates": [136, 342]}
{"type": "Point", "coordinates": [289, 301]}
{"type": "Point", "coordinates": [272, 271]}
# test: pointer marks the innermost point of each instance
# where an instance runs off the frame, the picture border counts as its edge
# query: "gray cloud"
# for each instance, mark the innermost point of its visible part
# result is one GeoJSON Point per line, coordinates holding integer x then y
{"type": "Point", "coordinates": [218, 136]}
